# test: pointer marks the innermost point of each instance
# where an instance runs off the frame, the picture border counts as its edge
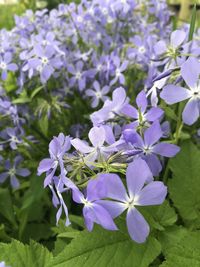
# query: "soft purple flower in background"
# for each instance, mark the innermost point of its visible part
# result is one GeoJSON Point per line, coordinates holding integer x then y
{"type": "Point", "coordinates": [98, 93]}
{"type": "Point", "coordinates": [141, 115]}
{"type": "Point", "coordinates": [111, 108]}
{"type": "Point", "coordinates": [172, 94]}
{"type": "Point", "coordinates": [93, 212]}
{"type": "Point", "coordinates": [44, 61]}
{"type": "Point", "coordinates": [12, 171]}
{"type": "Point", "coordinates": [149, 147]}
{"type": "Point", "coordinates": [57, 148]}
{"type": "Point", "coordinates": [171, 52]}
{"type": "Point", "coordinates": [3, 264]}
{"type": "Point", "coordinates": [139, 194]}
{"type": "Point", "coordinates": [6, 65]}
{"type": "Point", "coordinates": [98, 151]}
{"type": "Point", "coordinates": [79, 75]}
{"type": "Point", "coordinates": [13, 136]}
{"type": "Point", "coordinates": [119, 68]}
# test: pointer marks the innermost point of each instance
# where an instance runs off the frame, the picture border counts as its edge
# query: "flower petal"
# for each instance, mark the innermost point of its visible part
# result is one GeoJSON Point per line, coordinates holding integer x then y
{"type": "Point", "coordinates": [81, 146]}
{"type": "Point", "coordinates": [152, 194]}
{"type": "Point", "coordinates": [191, 112]}
{"type": "Point", "coordinates": [152, 134]}
{"type": "Point", "coordinates": [97, 136]}
{"type": "Point", "coordinates": [137, 174]}
{"type": "Point", "coordinates": [166, 150]}
{"type": "Point", "coordinates": [114, 186]}
{"type": "Point", "coordinates": [138, 228]}
{"type": "Point", "coordinates": [173, 94]}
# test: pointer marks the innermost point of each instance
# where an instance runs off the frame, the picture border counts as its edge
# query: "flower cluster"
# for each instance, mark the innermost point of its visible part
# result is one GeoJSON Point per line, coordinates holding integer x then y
{"type": "Point", "coordinates": [131, 71]}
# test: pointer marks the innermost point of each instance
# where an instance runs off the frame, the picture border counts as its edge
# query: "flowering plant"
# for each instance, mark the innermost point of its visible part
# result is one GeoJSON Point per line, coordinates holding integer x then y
{"type": "Point", "coordinates": [114, 99]}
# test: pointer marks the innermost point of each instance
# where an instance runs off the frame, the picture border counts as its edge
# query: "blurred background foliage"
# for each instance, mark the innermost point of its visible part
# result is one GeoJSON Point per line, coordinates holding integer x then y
{"type": "Point", "coordinates": [8, 9]}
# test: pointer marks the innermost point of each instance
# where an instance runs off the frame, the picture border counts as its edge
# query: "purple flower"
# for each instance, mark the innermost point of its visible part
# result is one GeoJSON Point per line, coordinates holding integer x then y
{"type": "Point", "coordinates": [97, 94]}
{"type": "Point", "coordinates": [139, 194]}
{"type": "Point", "coordinates": [6, 64]}
{"type": "Point", "coordinates": [111, 108]}
{"type": "Point", "coordinates": [93, 212]}
{"type": "Point", "coordinates": [13, 171]}
{"type": "Point", "coordinates": [79, 75]}
{"type": "Point", "coordinates": [57, 148]}
{"type": "Point", "coordinates": [12, 136]}
{"type": "Point", "coordinates": [141, 115]}
{"type": "Point", "coordinates": [172, 94]}
{"type": "Point", "coordinates": [176, 40]}
{"type": "Point", "coordinates": [97, 137]}
{"type": "Point", "coordinates": [149, 147]}
{"type": "Point", "coordinates": [118, 71]}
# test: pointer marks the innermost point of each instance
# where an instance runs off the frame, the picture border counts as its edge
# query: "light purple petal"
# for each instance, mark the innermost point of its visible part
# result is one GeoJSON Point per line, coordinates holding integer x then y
{"type": "Point", "coordinates": [14, 182]}
{"type": "Point", "coordinates": [23, 172]}
{"type": "Point", "coordinates": [190, 71]}
{"type": "Point", "coordinates": [45, 165]}
{"type": "Point", "coordinates": [154, 164]}
{"type": "Point", "coordinates": [191, 112]}
{"type": "Point", "coordinates": [153, 134]}
{"type": "Point", "coordinates": [81, 146]}
{"type": "Point", "coordinates": [141, 101]}
{"type": "Point", "coordinates": [138, 228]}
{"type": "Point", "coordinates": [97, 136]}
{"type": "Point", "coordinates": [114, 208]}
{"type": "Point", "coordinates": [177, 38]}
{"type": "Point", "coordinates": [114, 186]}
{"type": "Point", "coordinates": [99, 215]}
{"type": "Point", "coordinates": [3, 176]}
{"type": "Point", "coordinates": [166, 150]}
{"type": "Point", "coordinates": [137, 174]}
{"type": "Point", "coordinates": [173, 94]}
{"type": "Point", "coordinates": [152, 194]}
{"type": "Point", "coordinates": [154, 114]}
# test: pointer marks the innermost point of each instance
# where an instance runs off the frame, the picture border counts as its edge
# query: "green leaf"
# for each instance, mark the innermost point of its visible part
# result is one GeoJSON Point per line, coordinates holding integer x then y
{"type": "Point", "coordinates": [184, 186]}
{"type": "Point", "coordinates": [6, 208]}
{"type": "Point", "coordinates": [36, 91]}
{"type": "Point", "coordinates": [171, 236]}
{"type": "Point", "coordinates": [185, 253]}
{"type": "Point", "coordinates": [160, 216]}
{"type": "Point", "coordinates": [20, 255]}
{"type": "Point", "coordinates": [192, 23]}
{"type": "Point", "coordinates": [102, 248]}
{"type": "Point", "coordinates": [44, 124]}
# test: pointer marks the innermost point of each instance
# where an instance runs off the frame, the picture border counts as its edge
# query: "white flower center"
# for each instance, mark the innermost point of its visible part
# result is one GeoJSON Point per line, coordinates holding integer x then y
{"type": "Point", "coordinates": [78, 75]}
{"type": "Point", "coordinates": [141, 50]}
{"type": "Point", "coordinates": [3, 65]}
{"type": "Point", "coordinates": [12, 171]}
{"type": "Point", "coordinates": [44, 60]}
{"type": "Point", "coordinates": [118, 72]}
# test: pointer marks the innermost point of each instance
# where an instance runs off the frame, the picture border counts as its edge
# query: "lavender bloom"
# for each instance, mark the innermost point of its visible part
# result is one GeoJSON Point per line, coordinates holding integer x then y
{"type": "Point", "coordinates": [45, 62]}
{"type": "Point", "coordinates": [111, 108]}
{"type": "Point", "coordinates": [150, 147]}
{"type": "Point", "coordinates": [93, 212]}
{"type": "Point", "coordinates": [57, 148]}
{"type": "Point", "coordinates": [118, 71]}
{"type": "Point", "coordinates": [139, 194]}
{"type": "Point", "coordinates": [97, 137]}
{"type": "Point", "coordinates": [141, 115]}
{"type": "Point", "coordinates": [172, 94]}
{"type": "Point", "coordinates": [12, 171]}
{"type": "Point", "coordinates": [97, 94]}
{"type": "Point", "coordinates": [12, 136]}
{"type": "Point", "coordinates": [6, 64]}
{"type": "Point", "coordinates": [78, 75]}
